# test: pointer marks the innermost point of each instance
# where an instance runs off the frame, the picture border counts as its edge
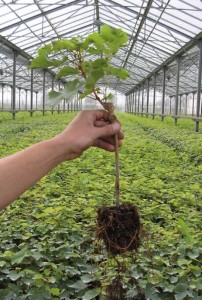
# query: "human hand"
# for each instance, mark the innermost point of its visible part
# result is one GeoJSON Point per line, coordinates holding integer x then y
{"type": "Point", "coordinates": [89, 128]}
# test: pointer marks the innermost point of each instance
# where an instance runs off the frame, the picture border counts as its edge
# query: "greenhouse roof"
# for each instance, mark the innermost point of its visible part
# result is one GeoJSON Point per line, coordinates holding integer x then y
{"type": "Point", "coordinates": [158, 31]}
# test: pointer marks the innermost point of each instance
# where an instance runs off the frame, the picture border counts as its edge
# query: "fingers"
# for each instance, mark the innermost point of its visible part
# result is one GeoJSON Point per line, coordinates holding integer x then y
{"type": "Point", "coordinates": [108, 130]}
{"type": "Point", "coordinates": [107, 144]}
{"type": "Point", "coordinates": [104, 145]}
{"type": "Point", "coordinates": [101, 114]}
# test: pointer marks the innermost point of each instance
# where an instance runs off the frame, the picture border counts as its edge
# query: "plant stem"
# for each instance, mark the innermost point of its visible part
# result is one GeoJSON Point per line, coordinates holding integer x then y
{"type": "Point", "coordinates": [117, 185]}
{"type": "Point", "coordinates": [110, 108]}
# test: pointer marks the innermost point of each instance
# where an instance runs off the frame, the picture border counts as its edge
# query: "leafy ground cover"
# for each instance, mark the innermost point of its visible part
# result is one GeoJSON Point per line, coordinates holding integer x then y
{"type": "Point", "coordinates": [49, 248]}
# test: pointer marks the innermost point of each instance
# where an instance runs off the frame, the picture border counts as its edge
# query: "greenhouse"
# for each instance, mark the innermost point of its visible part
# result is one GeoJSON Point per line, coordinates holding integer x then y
{"type": "Point", "coordinates": [77, 222]}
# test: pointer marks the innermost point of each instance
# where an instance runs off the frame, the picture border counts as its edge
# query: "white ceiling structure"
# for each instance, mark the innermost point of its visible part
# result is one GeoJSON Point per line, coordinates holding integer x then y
{"type": "Point", "coordinates": [159, 31]}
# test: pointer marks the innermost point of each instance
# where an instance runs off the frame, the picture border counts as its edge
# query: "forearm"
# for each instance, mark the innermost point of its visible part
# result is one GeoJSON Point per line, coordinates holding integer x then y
{"type": "Point", "coordinates": [20, 171]}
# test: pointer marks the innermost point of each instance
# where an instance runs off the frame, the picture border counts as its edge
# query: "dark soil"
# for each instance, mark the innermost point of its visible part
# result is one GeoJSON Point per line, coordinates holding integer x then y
{"type": "Point", "coordinates": [119, 227]}
{"type": "Point", "coordinates": [115, 290]}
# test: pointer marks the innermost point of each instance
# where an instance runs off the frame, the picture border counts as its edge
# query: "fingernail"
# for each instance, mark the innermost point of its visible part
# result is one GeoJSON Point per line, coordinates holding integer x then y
{"type": "Point", "coordinates": [116, 126]}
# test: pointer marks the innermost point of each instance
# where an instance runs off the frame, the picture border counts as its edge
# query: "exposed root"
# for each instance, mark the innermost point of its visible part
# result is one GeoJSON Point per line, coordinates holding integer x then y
{"type": "Point", "coordinates": [119, 227]}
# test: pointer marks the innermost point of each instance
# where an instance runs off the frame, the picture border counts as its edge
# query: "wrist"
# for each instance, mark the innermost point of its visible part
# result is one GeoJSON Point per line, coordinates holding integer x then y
{"type": "Point", "coordinates": [60, 149]}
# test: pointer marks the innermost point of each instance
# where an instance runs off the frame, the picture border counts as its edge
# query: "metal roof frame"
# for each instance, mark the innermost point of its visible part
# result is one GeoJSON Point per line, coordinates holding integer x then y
{"type": "Point", "coordinates": [155, 31]}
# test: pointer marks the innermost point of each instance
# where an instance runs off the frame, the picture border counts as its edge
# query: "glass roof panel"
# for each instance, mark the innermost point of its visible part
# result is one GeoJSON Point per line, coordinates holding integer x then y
{"type": "Point", "coordinates": [156, 29]}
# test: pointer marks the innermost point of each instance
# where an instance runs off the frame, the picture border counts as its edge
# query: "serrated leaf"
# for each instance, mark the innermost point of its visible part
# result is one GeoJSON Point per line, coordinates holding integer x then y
{"type": "Point", "coordinates": [120, 73]}
{"type": "Point", "coordinates": [78, 285]}
{"type": "Point", "coordinates": [180, 288]}
{"type": "Point", "coordinates": [13, 275]}
{"type": "Point", "coordinates": [91, 294]}
{"type": "Point", "coordinates": [66, 71]}
{"type": "Point", "coordinates": [181, 296]}
{"type": "Point", "coordinates": [68, 93]}
{"type": "Point", "coordinates": [86, 278]}
{"type": "Point", "coordinates": [2, 263]}
{"type": "Point", "coordinates": [92, 78]}
{"type": "Point", "coordinates": [43, 62]}
{"type": "Point", "coordinates": [55, 291]}
{"type": "Point", "coordinates": [184, 229]}
{"type": "Point", "coordinates": [63, 45]}
{"type": "Point", "coordinates": [19, 256]}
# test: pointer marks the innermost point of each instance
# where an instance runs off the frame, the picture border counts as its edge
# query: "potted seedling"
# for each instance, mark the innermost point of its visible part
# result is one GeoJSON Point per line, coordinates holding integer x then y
{"type": "Point", "coordinates": [85, 64]}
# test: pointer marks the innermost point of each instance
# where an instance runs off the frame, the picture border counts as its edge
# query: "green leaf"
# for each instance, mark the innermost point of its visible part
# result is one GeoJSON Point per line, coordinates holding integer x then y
{"type": "Point", "coordinates": [19, 256]}
{"type": "Point", "coordinates": [66, 71]}
{"type": "Point", "coordinates": [13, 275]}
{"type": "Point", "coordinates": [120, 73]}
{"type": "Point", "coordinates": [92, 79]}
{"type": "Point", "coordinates": [68, 93]}
{"type": "Point", "coordinates": [91, 294]}
{"type": "Point", "coordinates": [2, 263]}
{"type": "Point", "coordinates": [181, 296]}
{"type": "Point", "coordinates": [43, 62]}
{"type": "Point", "coordinates": [63, 45]}
{"type": "Point", "coordinates": [86, 278]}
{"type": "Point", "coordinates": [55, 291]}
{"type": "Point", "coordinates": [184, 229]}
{"type": "Point", "coordinates": [78, 285]}
{"type": "Point", "coordinates": [180, 288]}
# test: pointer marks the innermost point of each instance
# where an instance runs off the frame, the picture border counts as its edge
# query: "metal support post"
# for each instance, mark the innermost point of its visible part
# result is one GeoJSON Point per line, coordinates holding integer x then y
{"type": "Point", "coordinates": [180, 108]}
{"type": "Point", "coordinates": [170, 105]}
{"type": "Point", "coordinates": [36, 93]}
{"type": "Point", "coordinates": [19, 104]}
{"type": "Point", "coordinates": [147, 111]}
{"type": "Point", "coordinates": [177, 87]}
{"type": "Point", "coordinates": [26, 99]}
{"type": "Point", "coordinates": [44, 91]}
{"type": "Point", "coordinates": [2, 95]}
{"type": "Point", "coordinates": [163, 93]}
{"type": "Point", "coordinates": [186, 100]}
{"type": "Point", "coordinates": [199, 85]}
{"type": "Point", "coordinates": [142, 110]}
{"type": "Point", "coordinates": [135, 101]}
{"type": "Point", "coordinates": [154, 97]}
{"type": "Point", "coordinates": [13, 106]}
{"type": "Point", "coordinates": [31, 92]}
{"type": "Point", "coordinates": [52, 86]}
{"type": "Point", "coordinates": [138, 107]}
{"type": "Point", "coordinates": [193, 104]}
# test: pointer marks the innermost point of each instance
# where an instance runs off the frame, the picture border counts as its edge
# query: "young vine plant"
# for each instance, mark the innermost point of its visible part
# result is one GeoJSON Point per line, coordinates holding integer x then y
{"type": "Point", "coordinates": [85, 64]}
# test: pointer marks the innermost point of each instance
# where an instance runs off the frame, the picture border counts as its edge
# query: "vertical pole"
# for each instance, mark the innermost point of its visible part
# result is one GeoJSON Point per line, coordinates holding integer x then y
{"type": "Point", "coordinates": [2, 94]}
{"type": "Point", "coordinates": [147, 111]}
{"type": "Point", "coordinates": [170, 104]}
{"type": "Point", "coordinates": [154, 96]}
{"type": "Point", "coordinates": [135, 101]}
{"type": "Point", "coordinates": [19, 104]}
{"type": "Point", "coordinates": [59, 103]}
{"type": "Point", "coordinates": [26, 99]}
{"type": "Point", "coordinates": [52, 87]}
{"type": "Point", "coordinates": [186, 100]}
{"type": "Point", "coordinates": [177, 87]}
{"type": "Point", "coordinates": [14, 85]}
{"type": "Point", "coordinates": [199, 85]}
{"type": "Point", "coordinates": [139, 100]}
{"type": "Point", "coordinates": [142, 110]}
{"type": "Point", "coordinates": [44, 91]}
{"type": "Point", "coordinates": [163, 93]}
{"type": "Point", "coordinates": [180, 108]}
{"type": "Point", "coordinates": [36, 100]}
{"type": "Point", "coordinates": [31, 92]}
{"type": "Point", "coordinates": [193, 104]}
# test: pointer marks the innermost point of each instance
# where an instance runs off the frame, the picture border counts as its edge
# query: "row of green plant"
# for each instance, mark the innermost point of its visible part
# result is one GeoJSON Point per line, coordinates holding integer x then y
{"type": "Point", "coordinates": [49, 248]}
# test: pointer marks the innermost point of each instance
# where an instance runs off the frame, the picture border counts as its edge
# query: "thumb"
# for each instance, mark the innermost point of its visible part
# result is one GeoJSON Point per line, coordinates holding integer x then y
{"type": "Point", "coordinates": [108, 130]}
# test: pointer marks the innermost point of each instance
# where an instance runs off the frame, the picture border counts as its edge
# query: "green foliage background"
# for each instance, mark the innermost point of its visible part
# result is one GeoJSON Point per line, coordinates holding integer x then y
{"type": "Point", "coordinates": [48, 246]}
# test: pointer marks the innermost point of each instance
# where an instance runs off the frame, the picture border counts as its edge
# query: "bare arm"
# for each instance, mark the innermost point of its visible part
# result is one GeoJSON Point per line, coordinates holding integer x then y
{"type": "Point", "coordinates": [21, 170]}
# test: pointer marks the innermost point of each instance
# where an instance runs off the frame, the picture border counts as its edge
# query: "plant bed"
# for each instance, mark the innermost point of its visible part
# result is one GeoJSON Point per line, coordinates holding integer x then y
{"type": "Point", "coordinates": [119, 227]}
